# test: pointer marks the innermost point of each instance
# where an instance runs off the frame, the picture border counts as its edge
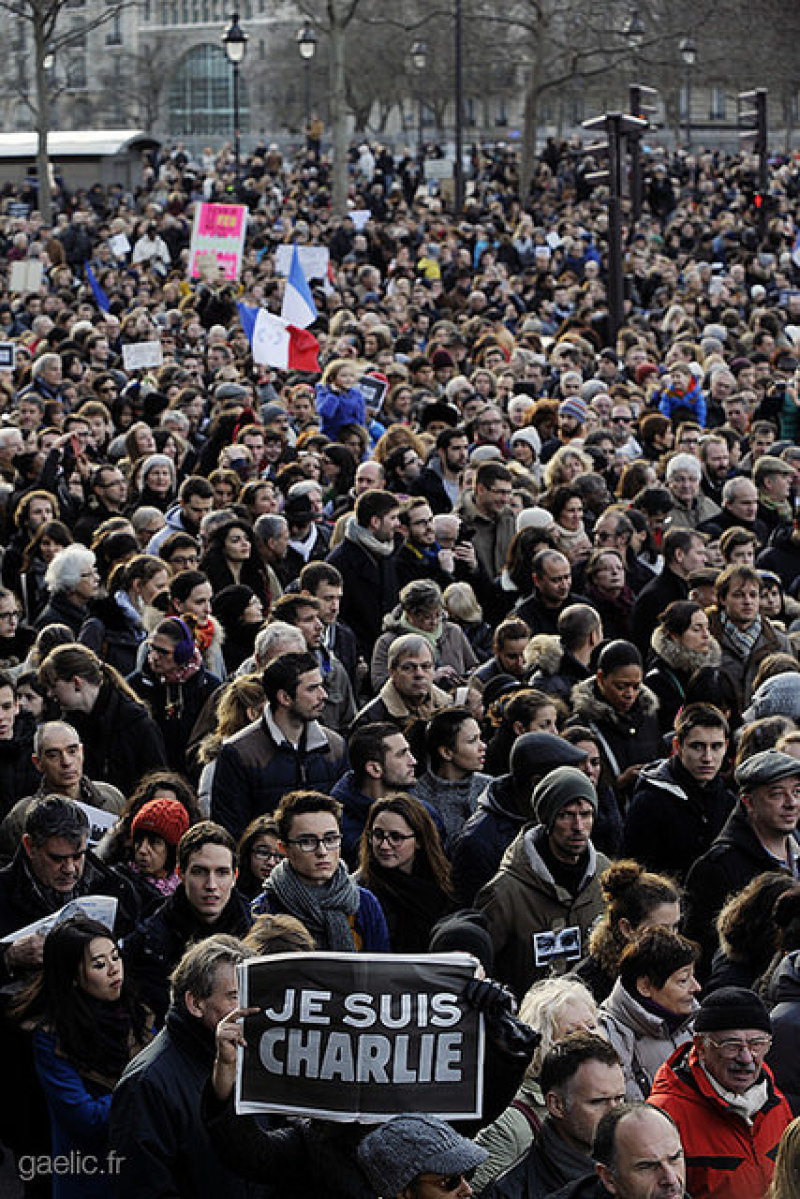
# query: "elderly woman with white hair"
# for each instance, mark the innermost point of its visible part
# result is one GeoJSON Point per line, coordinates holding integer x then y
{"type": "Point", "coordinates": [690, 506]}
{"type": "Point", "coordinates": [555, 1007]}
{"type": "Point", "coordinates": [72, 580]}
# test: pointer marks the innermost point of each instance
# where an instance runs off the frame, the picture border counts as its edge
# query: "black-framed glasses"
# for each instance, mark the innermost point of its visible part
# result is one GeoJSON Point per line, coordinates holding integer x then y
{"type": "Point", "coordinates": [451, 1182]}
{"type": "Point", "coordinates": [265, 854]}
{"type": "Point", "coordinates": [392, 836]}
{"type": "Point", "coordinates": [310, 844]}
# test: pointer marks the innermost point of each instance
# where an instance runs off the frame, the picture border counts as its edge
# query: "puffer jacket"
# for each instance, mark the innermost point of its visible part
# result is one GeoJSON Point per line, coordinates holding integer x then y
{"type": "Point", "coordinates": [669, 668]}
{"type": "Point", "coordinates": [627, 738]}
{"type": "Point", "coordinates": [784, 1056]}
{"type": "Point", "coordinates": [725, 1157]}
{"type": "Point", "coordinates": [642, 1039]}
{"type": "Point", "coordinates": [523, 899]}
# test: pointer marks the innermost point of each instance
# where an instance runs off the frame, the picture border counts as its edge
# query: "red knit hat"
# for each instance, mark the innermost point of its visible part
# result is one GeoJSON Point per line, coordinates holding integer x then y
{"type": "Point", "coordinates": [165, 817]}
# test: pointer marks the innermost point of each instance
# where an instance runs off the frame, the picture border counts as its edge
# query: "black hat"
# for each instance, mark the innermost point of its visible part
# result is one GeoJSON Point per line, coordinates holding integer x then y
{"type": "Point", "coordinates": [465, 931]}
{"type": "Point", "coordinates": [439, 411]}
{"type": "Point", "coordinates": [499, 685]}
{"type": "Point", "coordinates": [228, 605]}
{"type": "Point", "coordinates": [539, 753]}
{"type": "Point", "coordinates": [732, 1007]}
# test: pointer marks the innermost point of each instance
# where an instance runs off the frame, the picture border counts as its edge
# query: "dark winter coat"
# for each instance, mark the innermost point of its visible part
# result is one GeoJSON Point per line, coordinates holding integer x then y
{"type": "Point", "coordinates": [554, 669]}
{"type": "Point", "coordinates": [175, 707]}
{"type": "Point", "coordinates": [113, 634]}
{"type": "Point", "coordinates": [782, 556]}
{"type": "Point", "coordinates": [370, 591]}
{"type": "Point", "coordinates": [61, 610]}
{"type": "Point", "coordinates": [651, 602]}
{"type": "Point", "coordinates": [121, 741]}
{"type": "Point", "coordinates": [550, 1163]}
{"type": "Point", "coordinates": [669, 668]}
{"type": "Point", "coordinates": [18, 775]}
{"type": "Point", "coordinates": [784, 1056]}
{"type": "Point", "coordinates": [671, 820]}
{"type": "Point", "coordinates": [742, 670]}
{"type": "Point", "coordinates": [484, 839]}
{"type": "Point", "coordinates": [626, 738]}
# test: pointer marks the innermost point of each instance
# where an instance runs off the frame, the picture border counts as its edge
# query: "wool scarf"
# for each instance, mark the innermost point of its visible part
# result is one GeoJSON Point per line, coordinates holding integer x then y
{"type": "Point", "coordinates": [742, 641]}
{"type": "Point", "coordinates": [324, 910]}
{"type": "Point", "coordinates": [363, 538]}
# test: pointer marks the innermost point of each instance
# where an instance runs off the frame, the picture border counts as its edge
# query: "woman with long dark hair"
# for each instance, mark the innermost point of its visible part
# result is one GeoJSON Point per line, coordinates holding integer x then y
{"type": "Point", "coordinates": [681, 644]}
{"type": "Point", "coordinates": [86, 1028]}
{"type": "Point", "coordinates": [232, 558]}
{"type": "Point", "coordinates": [402, 862]}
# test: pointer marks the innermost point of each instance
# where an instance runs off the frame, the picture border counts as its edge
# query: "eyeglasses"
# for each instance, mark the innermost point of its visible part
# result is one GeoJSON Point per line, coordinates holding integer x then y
{"type": "Point", "coordinates": [267, 855]}
{"type": "Point", "coordinates": [392, 836]}
{"type": "Point", "coordinates": [311, 844]}
{"type": "Point", "coordinates": [732, 1048]}
{"type": "Point", "coordinates": [183, 560]}
{"type": "Point", "coordinates": [451, 1182]}
{"type": "Point", "coordinates": [13, 615]}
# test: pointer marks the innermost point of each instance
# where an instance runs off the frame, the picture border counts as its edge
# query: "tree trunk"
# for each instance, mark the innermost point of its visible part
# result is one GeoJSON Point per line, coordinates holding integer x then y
{"type": "Point", "coordinates": [45, 194]}
{"type": "Point", "coordinates": [339, 111]}
{"type": "Point", "coordinates": [530, 122]}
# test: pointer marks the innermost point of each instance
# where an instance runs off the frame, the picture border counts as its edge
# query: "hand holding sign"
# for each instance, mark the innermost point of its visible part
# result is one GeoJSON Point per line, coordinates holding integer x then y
{"type": "Point", "coordinates": [229, 1036]}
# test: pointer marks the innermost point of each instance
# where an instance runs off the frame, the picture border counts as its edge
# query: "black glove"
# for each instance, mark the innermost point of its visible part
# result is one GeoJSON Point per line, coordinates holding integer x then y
{"type": "Point", "coordinates": [509, 1036]}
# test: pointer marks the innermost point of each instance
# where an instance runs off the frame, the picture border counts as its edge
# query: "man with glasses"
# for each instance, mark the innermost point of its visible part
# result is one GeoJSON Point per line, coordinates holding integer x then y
{"type": "Point", "coordinates": [723, 1098]}
{"type": "Point", "coordinates": [285, 748]}
{"type": "Point", "coordinates": [313, 883]}
{"type": "Point", "coordinates": [409, 697]}
{"type": "Point", "coordinates": [108, 493]}
{"type": "Point", "coordinates": [486, 508]}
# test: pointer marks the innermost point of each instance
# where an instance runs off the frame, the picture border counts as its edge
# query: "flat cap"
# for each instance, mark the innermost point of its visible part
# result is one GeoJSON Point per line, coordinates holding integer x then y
{"type": "Point", "coordinates": [768, 766]}
{"type": "Point", "coordinates": [768, 464]}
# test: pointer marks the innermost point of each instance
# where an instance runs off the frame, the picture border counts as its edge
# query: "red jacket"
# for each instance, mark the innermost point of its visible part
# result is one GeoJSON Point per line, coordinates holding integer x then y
{"type": "Point", "coordinates": [724, 1157]}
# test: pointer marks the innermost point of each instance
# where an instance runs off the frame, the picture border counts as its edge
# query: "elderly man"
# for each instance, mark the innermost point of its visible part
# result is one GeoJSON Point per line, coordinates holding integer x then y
{"type": "Point", "coordinates": [58, 756]}
{"type": "Point", "coordinates": [760, 835]}
{"type": "Point", "coordinates": [728, 1111]}
{"type": "Point", "coordinates": [739, 511]}
{"type": "Point", "coordinates": [746, 637]}
{"type": "Point", "coordinates": [774, 478]}
{"type": "Point", "coordinates": [409, 697]}
{"type": "Point", "coordinates": [546, 894]}
{"type": "Point", "coordinates": [689, 506]}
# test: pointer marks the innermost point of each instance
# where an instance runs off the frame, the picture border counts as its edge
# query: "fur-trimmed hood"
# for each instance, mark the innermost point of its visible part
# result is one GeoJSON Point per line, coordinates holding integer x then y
{"type": "Point", "coordinates": [588, 703]}
{"type": "Point", "coordinates": [544, 652]}
{"type": "Point", "coordinates": [677, 657]}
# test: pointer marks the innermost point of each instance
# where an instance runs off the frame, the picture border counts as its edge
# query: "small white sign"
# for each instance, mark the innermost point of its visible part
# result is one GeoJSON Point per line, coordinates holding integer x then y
{"type": "Point", "coordinates": [119, 245]}
{"type": "Point", "coordinates": [360, 217]}
{"type": "Point", "coordinates": [102, 908]}
{"type": "Point", "coordinates": [313, 259]}
{"type": "Point", "coordinates": [139, 355]}
{"type": "Point", "coordinates": [26, 275]}
{"type": "Point", "coordinates": [8, 355]}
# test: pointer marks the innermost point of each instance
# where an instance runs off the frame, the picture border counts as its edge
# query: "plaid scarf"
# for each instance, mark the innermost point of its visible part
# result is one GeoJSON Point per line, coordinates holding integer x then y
{"type": "Point", "coordinates": [741, 641]}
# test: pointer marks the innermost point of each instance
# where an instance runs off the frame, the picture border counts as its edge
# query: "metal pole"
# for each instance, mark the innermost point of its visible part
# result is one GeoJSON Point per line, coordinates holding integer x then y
{"type": "Point", "coordinates": [236, 139]}
{"type": "Point", "coordinates": [459, 176]}
{"type": "Point", "coordinates": [688, 107]}
{"type": "Point", "coordinates": [616, 285]}
{"type": "Point", "coordinates": [635, 104]}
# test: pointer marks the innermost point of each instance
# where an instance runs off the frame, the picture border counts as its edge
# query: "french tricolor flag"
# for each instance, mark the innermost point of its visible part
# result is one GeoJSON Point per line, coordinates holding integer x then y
{"type": "Point", "coordinates": [277, 343]}
{"type": "Point", "coordinates": [298, 306]}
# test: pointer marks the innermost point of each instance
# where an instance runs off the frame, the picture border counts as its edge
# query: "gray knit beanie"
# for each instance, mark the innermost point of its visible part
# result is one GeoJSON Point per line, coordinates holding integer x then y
{"type": "Point", "coordinates": [564, 785]}
{"type": "Point", "coordinates": [395, 1153]}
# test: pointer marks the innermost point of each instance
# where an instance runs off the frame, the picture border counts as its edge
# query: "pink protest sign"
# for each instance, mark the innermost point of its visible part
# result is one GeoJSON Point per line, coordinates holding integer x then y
{"type": "Point", "coordinates": [217, 237]}
{"type": "Point", "coordinates": [221, 220]}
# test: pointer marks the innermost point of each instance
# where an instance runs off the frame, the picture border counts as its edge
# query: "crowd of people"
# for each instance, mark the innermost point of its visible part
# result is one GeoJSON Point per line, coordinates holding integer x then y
{"type": "Point", "coordinates": [497, 652]}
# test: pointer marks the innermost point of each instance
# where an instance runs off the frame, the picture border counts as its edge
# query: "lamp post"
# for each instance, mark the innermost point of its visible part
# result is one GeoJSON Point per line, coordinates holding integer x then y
{"type": "Point", "coordinates": [459, 32]}
{"type": "Point", "coordinates": [234, 43]}
{"type": "Point", "coordinates": [634, 31]}
{"type": "Point", "coordinates": [689, 55]}
{"type": "Point", "coordinates": [419, 61]}
{"type": "Point", "coordinates": [307, 45]}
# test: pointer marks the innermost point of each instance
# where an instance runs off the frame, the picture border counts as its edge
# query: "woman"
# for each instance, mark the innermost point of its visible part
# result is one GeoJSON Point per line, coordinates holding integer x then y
{"type": "Point", "coordinates": [402, 863]}
{"type": "Point", "coordinates": [115, 628]}
{"type": "Point", "coordinates": [454, 779]}
{"type": "Point", "coordinates": [555, 1008]}
{"type": "Point", "coordinates": [153, 483]}
{"type": "Point", "coordinates": [681, 644]}
{"type": "Point", "coordinates": [121, 742]}
{"type": "Point", "coordinates": [241, 614]}
{"type": "Point", "coordinates": [422, 611]}
{"type": "Point", "coordinates": [156, 784]}
{"type": "Point", "coordinates": [634, 900]}
{"type": "Point", "coordinates": [652, 1007]}
{"type": "Point", "coordinates": [786, 1179]}
{"type": "Point", "coordinates": [175, 685]}
{"type": "Point", "coordinates": [607, 591]}
{"type": "Point", "coordinates": [518, 712]}
{"type": "Point", "coordinates": [190, 595]}
{"type": "Point", "coordinates": [232, 557]}
{"type": "Point", "coordinates": [72, 580]}
{"type": "Point", "coordinates": [48, 539]}
{"type": "Point", "coordinates": [621, 712]}
{"type": "Point", "coordinates": [750, 934]}
{"type": "Point", "coordinates": [86, 1028]}
{"type": "Point", "coordinates": [568, 534]}
{"type": "Point", "coordinates": [242, 702]}
{"type": "Point", "coordinates": [339, 474]}
{"type": "Point", "coordinates": [156, 830]}
{"type": "Point", "coordinates": [259, 853]}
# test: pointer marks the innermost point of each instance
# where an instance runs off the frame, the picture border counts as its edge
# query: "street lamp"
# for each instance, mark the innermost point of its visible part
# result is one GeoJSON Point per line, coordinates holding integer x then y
{"type": "Point", "coordinates": [419, 61]}
{"type": "Point", "coordinates": [234, 43]}
{"type": "Point", "coordinates": [689, 55]}
{"type": "Point", "coordinates": [459, 32]}
{"type": "Point", "coordinates": [634, 31]}
{"type": "Point", "coordinates": [307, 45]}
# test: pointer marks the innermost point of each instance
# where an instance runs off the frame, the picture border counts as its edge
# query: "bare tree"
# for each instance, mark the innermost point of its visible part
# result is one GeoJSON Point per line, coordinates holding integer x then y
{"type": "Point", "coordinates": [50, 35]}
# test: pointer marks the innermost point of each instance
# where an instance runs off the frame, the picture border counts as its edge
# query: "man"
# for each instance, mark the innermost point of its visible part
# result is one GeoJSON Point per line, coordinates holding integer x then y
{"type": "Point", "coordinates": [774, 478]}
{"type": "Point", "coordinates": [760, 835]}
{"type": "Point", "coordinates": [204, 904]}
{"type": "Point", "coordinates": [504, 808]}
{"type": "Point", "coordinates": [324, 583]}
{"type": "Point", "coordinates": [287, 747]}
{"type": "Point", "coordinates": [58, 757]}
{"type": "Point", "coordinates": [156, 1129]}
{"type": "Point", "coordinates": [558, 662]}
{"type": "Point", "coordinates": [409, 697]}
{"type": "Point", "coordinates": [108, 494]}
{"type": "Point", "coordinates": [690, 507]}
{"type": "Point", "coordinates": [51, 867]}
{"type": "Point", "coordinates": [313, 884]}
{"type": "Point", "coordinates": [508, 643]}
{"type": "Point", "coordinates": [744, 635]}
{"type": "Point", "coordinates": [308, 537]}
{"type": "Point", "coordinates": [440, 481]}
{"type": "Point", "coordinates": [614, 530]}
{"type": "Point", "coordinates": [381, 764]}
{"type": "Point", "coordinates": [544, 898]}
{"type": "Point", "coordinates": [271, 532]}
{"type": "Point", "coordinates": [420, 556]}
{"type": "Point", "coordinates": [723, 1099]}
{"type": "Point", "coordinates": [638, 1155]}
{"type": "Point", "coordinates": [684, 552]}
{"type": "Point", "coordinates": [195, 500]}
{"type": "Point", "coordinates": [715, 463]}
{"type": "Point", "coordinates": [303, 611]}
{"type": "Point", "coordinates": [782, 556]}
{"type": "Point", "coordinates": [365, 560]}
{"type": "Point", "coordinates": [581, 1079]}
{"type": "Point", "coordinates": [486, 509]}
{"type": "Point", "coordinates": [739, 498]}
{"type": "Point", "coordinates": [681, 803]}
{"type": "Point", "coordinates": [552, 593]}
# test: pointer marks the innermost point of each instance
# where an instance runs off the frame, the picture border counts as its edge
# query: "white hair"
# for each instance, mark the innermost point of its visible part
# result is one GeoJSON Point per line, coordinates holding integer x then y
{"type": "Point", "coordinates": [686, 462]}
{"type": "Point", "coordinates": [64, 572]}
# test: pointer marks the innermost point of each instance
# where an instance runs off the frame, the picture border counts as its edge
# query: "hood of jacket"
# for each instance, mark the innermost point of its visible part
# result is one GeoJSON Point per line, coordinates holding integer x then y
{"type": "Point", "coordinates": [545, 652]}
{"type": "Point", "coordinates": [785, 984]}
{"type": "Point", "coordinates": [658, 775]}
{"type": "Point", "coordinates": [523, 862]}
{"type": "Point", "coordinates": [498, 797]}
{"type": "Point", "coordinates": [588, 702]}
{"type": "Point", "coordinates": [678, 657]}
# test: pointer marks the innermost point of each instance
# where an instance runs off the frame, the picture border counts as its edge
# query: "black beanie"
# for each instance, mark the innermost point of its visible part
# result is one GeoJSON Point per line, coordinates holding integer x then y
{"type": "Point", "coordinates": [732, 1007]}
{"type": "Point", "coordinates": [465, 931]}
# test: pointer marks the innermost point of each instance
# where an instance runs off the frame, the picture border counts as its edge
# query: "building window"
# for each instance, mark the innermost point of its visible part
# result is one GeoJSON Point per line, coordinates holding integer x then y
{"type": "Point", "coordinates": [470, 117]}
{"type": "Point", "coordinates": [201, 95]}
{"type": "Point", "coordinates": [717, 104]}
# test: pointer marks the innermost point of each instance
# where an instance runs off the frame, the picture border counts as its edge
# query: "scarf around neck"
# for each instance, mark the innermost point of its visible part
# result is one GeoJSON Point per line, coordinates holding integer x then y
{"type": "Point", "coordinates": [324, 910]}
{"type": "Point", "coordinates": [363, 538]}
{"type": "Point", "coordinates": [432, 638]}
{"type": "Point", "coordinates": [741, 640]}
